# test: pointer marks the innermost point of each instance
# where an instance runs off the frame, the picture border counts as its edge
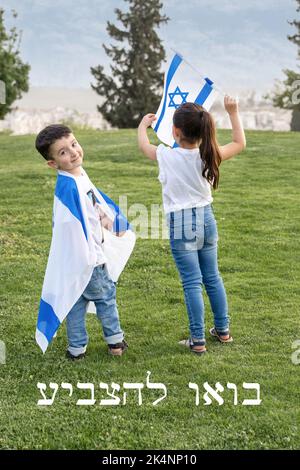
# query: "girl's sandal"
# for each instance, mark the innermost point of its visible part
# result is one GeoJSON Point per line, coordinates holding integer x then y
{"type": "Point", "coordinates": [197, 347]}
{"type": "Point", "coordinates": [220, 335]}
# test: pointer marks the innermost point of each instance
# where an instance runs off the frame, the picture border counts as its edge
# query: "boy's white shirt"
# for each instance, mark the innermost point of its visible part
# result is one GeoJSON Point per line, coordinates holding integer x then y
{"type": "Point", "coordinates": [93, 218]}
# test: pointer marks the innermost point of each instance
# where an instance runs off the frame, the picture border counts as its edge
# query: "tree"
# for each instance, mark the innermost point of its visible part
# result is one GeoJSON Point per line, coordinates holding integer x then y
{"type": "Point", "coordinates": [288, 95]}
{"type": "Point", "coordinates": [13, 72]}
{"type": "Point", "coordinates": [136, 82]}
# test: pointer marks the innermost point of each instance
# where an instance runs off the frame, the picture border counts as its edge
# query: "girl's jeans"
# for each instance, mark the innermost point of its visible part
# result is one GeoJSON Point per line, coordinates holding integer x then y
{"type": "Point", "coordinates": [193, 240]}
{"type": "Point", "coordinates": [101, 290]}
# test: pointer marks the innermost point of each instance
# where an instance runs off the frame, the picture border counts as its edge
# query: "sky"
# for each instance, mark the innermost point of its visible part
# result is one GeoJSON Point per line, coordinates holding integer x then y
{"type": "Point", "coordinates": [239, 44]}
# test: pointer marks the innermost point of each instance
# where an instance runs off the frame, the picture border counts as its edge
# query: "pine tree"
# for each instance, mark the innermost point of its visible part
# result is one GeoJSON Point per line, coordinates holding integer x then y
{"type": "Point", "coordinates": [14, 74]}
{"type": "Point", "coordinates": [288, 97]}
{"type": "Point", "coordinates": [136, 82]}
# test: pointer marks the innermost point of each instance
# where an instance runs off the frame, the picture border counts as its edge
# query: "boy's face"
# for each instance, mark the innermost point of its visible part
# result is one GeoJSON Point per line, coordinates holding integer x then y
{"type": "Point", "coordinates": [66, 154]}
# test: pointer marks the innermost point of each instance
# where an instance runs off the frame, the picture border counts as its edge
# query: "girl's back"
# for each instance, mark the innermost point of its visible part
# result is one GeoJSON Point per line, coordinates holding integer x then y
{"type": "Point", "coordinates": [180, 173]}
{"type": "Point", "coordinates": [187, 174]}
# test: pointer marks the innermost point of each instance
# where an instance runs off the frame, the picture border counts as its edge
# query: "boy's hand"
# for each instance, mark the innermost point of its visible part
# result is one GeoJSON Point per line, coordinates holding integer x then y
{"type": "Point", "coordinates": [148, 119]}
{"type": "Point", "coordinates": [105, 221]}
{"type": "Point", "coordinates": [231, 105]}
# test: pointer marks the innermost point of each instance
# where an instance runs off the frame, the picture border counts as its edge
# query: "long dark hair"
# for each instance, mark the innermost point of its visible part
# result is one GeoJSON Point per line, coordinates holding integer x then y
{"type": "Point", "coordinates": [197, 124]}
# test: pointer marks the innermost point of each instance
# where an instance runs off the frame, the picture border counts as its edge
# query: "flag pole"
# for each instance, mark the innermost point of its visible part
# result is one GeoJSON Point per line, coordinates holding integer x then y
{"type": "Point", "coordinates": [196, 70]}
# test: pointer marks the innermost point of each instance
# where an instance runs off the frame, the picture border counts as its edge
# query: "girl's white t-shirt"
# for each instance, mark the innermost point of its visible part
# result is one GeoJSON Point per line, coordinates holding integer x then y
{"type": "Point", "coordinates": [180, 173]}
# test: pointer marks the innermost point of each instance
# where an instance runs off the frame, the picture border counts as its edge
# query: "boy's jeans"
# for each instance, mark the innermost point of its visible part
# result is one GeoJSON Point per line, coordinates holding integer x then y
{"type": "Point", "coordinates": [101, 290]}
{"type": "Point", "coordinates": [193, 240]}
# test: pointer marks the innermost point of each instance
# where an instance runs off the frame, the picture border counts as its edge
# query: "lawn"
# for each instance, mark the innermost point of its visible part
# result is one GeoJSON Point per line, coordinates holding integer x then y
{"type": "Point", "coordinates": [257, 208]}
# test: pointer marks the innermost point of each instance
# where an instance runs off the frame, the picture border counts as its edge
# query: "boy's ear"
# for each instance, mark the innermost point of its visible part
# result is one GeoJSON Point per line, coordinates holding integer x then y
{"type": "Point", "coordinates": [52, 164]}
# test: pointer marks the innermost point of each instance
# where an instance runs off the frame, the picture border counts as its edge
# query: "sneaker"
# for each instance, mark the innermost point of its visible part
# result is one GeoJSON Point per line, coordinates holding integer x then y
{"type": "Point", "coordinates": [74, 358]}
{"type": "Point", "coordinates": [117, 349]}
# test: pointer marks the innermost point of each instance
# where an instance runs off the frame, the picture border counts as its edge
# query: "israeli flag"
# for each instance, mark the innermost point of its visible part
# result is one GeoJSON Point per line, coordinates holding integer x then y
{"type": "Point", "coordinates": [182, 84]}
{"type": "Point", "coordinates": [72, 256]}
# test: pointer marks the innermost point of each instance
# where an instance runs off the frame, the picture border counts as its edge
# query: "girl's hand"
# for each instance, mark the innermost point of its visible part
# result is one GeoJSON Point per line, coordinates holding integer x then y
{"type": "Point", "coordinates": [148, 119]}
{"type": "Point", "coordinates": [144, 145]}
{"type": "Point", "coordinates": [238, 136]}
{"type": "Point", "coordinates": [231, 105]}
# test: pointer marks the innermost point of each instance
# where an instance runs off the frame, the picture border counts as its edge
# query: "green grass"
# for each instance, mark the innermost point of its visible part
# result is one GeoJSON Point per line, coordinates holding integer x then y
{"type": "Point", "coordinates": [257, 208]}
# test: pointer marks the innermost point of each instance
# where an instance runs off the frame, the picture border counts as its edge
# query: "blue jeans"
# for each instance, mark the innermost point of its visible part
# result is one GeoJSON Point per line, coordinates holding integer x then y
{"type": "Point", "coordinates": [102, 291]}
{"type": "Point", "coordinates": [194, 240]}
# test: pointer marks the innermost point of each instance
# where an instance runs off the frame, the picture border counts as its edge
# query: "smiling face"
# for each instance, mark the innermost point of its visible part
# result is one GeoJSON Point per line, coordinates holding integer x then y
{"type": "Point", "coordinates": [66, 154]}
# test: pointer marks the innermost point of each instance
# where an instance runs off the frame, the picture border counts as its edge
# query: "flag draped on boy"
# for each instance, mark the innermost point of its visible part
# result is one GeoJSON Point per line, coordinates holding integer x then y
{"type": "Point", "coordinates": [182, 84]}
{"type": "Point", "coordinates": [72, 256]}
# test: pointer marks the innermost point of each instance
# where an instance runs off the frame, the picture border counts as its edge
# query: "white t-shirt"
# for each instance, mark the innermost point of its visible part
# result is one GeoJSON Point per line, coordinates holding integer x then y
{"type": "Point", "coordinates": [180, 173]}
{"type": "Point", "coordinates": [94, 219]}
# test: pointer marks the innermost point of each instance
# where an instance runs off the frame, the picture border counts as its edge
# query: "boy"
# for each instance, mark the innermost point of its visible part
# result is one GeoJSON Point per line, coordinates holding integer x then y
{"type": "Point", "coordinates": [78, 267]}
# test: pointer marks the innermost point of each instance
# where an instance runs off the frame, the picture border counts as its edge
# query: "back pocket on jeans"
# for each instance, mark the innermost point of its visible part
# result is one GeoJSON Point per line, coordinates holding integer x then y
{"type": "Point", "coordinates": [211, 232]}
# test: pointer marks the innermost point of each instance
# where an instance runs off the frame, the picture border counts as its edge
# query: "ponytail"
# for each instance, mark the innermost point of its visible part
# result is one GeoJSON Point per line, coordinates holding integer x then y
{"type": "Point", "coordinates": [197, 124]}
{"type": "Point", "coordinates": [209, 150]}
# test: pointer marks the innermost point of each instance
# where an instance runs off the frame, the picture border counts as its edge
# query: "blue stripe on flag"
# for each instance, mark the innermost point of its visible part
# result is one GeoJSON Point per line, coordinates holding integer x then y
{"type": "Point", "coordinates": [172, 69]}
{"type": "Point", "coordinates": [67, 192]}
{"type": "Point", "coordinates": [204, 93]}
{"type": "Point", "coordinates": [47, 322]}
{"type": "Point", "coordinates": [121, 224]}
{"type": "Point", "coordinates": [209, 81]}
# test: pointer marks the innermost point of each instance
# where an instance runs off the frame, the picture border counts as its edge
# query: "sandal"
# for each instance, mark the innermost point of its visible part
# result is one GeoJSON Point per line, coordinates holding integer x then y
{"type": "Point", "coordinates": [117, 349]}
{"type": "Point", "coordinates": [220, 335]}
{"type": "Point", "coordinates": [193, 345]}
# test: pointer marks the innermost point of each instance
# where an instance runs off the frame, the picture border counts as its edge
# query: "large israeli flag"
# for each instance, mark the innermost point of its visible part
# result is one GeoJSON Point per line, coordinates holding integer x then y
{"type": "Point", "coordinates": [182, 84]}
{"type": "Point", "coordinates": [72, 256]}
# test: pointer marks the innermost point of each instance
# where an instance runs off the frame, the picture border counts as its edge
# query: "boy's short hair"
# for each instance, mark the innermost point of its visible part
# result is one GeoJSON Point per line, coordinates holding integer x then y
{"type": "Point", "coordinates": [48, 136]}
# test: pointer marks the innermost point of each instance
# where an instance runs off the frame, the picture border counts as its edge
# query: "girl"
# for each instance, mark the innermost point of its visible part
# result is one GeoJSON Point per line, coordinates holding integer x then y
{"type": "Point", "coordinates": [187, 173]}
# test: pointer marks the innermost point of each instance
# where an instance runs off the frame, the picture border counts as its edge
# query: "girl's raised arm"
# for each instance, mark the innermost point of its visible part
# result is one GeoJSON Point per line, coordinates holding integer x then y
{"type": "Point", "coordinates": [148, 149]}
{"type": "Point", "coordinates": [238, 143]}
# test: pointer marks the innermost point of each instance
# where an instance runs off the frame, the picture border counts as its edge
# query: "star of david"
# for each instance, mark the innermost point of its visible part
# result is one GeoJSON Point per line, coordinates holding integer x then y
{"type": "Point", "coordinates": [177, 92]}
